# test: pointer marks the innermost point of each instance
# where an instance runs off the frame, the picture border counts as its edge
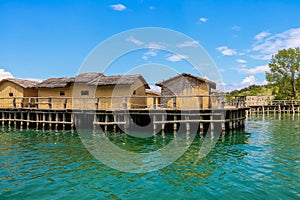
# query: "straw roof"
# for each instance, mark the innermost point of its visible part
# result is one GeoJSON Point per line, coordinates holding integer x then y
{"type": "Point", "coordinates": [94, 79]}
{"type": "Point", "coordinates": [118, 80]}
{"type": "Point", "coordinates": [56, 83]}
{"type": "Point", "coordinates": [21, 82]}
{"type": "Point", "coordinates": [87, 77]}
{"type": "Point", "coordinates": [211, 83]}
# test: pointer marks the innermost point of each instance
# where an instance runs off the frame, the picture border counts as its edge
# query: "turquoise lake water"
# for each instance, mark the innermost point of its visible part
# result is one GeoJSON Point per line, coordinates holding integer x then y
{"type": "Point", "coordinates": [262, 162]}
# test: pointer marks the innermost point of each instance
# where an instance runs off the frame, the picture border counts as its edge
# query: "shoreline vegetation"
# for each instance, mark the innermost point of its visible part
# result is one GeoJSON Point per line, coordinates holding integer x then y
{"type": "Point", "coordinates": [283, 78]}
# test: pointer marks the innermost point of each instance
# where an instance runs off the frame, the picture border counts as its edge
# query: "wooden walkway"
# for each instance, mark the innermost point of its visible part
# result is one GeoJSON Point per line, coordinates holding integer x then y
{"type": "Point", "coordinates": [275, 106]}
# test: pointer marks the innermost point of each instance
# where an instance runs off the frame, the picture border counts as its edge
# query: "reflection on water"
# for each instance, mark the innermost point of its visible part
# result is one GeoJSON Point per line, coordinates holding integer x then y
{"type": "Point", "coordinates": [262, 162]}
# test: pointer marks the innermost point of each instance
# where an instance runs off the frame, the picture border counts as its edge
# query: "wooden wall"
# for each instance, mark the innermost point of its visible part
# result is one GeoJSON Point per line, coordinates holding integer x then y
{"type": "Point", "coordinates": [185, 86]}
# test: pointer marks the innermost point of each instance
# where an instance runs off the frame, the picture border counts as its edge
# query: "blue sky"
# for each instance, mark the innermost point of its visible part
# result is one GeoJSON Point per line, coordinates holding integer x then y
{"type": "Point", "coordinates": [42, 39]}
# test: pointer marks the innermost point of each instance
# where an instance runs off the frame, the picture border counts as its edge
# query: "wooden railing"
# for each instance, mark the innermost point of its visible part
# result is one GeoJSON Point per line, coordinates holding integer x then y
{"type": "Point", "coordinates": [273, 103]}
{"type": "Point", "coordinates": [121, 102]}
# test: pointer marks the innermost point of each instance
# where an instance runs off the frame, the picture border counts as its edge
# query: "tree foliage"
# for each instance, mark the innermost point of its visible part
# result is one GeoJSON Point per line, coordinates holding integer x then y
{"type": "Point", "coordinates": [284, 72]}
{"type": "Point", "coordinates": [254, 90]}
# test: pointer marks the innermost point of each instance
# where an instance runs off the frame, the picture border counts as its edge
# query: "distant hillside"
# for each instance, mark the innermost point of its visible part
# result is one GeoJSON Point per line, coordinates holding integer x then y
{"type": "Point", "coordinates": [255, 90]}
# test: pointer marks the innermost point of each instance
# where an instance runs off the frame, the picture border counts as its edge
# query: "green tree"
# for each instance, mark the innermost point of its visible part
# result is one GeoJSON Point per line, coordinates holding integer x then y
{"type": "Point", "coordinates": [284, 72]}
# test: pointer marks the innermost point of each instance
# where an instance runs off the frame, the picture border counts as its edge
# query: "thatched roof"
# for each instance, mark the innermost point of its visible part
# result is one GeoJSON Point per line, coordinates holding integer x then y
{"type": "Point", "coordinates": [95, 79]}
{"type": "Point", "coordinates": [87, 77]}
{"type": "Point", "coordinates": [211, 83]}
{"type": "Point", "coordinates": [21, 82]}
{"type": "Point", "coordinates": [56, 83]}
{"type": "Point", "coordinates": [118, 80]}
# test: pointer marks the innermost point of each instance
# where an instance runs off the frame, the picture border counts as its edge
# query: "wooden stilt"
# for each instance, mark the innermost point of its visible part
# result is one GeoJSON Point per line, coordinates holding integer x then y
{"type": "Point", "coordinates": [106, 121]}
{"type": "Point", "coordinates": [64, 121]}
{"type": "Point", "coordinates": [28, 119]}
{"type": "Point", "coordinates": [15, 120]}
{"type": "Point", "coordinates": [44, 120]}
{"type": "Point", "coordinates": [175, 124]}
{"type": "Point", "coordinates": [188, 128]}
{"type": "Point", "coordinates": [163, 124]}
{"type": "Point", "coordinates": [9, 120]}
{"type": "Point", "coordinates": [37, 121]}
{"type": "Point", "coordinates": [154, 124]}
{"type": "Point", "coordinates": [21, 120]}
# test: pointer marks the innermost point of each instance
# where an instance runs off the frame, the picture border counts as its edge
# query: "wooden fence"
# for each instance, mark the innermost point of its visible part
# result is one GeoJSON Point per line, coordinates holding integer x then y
{"type": "Point", "coordinates": [121, 102]}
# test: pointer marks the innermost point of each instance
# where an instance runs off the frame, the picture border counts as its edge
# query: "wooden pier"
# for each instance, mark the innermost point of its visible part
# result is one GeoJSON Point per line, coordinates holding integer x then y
{"type": "Point", "coordinates": [275, 107]}
{"type": "Point", "coordinates": [25, 113]}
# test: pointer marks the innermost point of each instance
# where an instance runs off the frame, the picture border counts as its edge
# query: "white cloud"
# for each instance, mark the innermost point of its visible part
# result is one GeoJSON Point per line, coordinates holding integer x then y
{"type": "Point", "coordinates": [256, 70]}
{"type": "Point", "coordinates": [153, 45]}
{"type": "Point", "coordinates": [241, 61]}
{"type": "Point", "coordinates": [134, 41]}
{"type": "Point", "coordinates": [191, 43]}
{"type": "Point", "coordinates": [151, 52]}
{"type": "Point", "coordinates": [176, 57]}
{"type": "Point", "coordinates": [236, 28]}
{"type": "Point", "coordinates": [226, 51]}
{"type": "Point", "coordinates": [249, 80]}
{"type": "Point", "coordinates": [4, 74]}
{"type": "Point", "coordinates": [269, 45]}
{"type": "Point", "coordinates": [262, 35]}
{"type": "Point", "coordinates": [203, 19]}
{"type": "Point", "coordinates": [118, 7]}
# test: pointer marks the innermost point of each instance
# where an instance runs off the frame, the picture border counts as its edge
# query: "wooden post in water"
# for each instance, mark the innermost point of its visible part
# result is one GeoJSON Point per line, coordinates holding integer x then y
{"type": "Point", "coordinates": [44, 120]}
{"type": "Point", "coordinates": [94, 122]}
{"type": "Point", "coordinates": [201, 129]}
{"type": "Point", "coordinates": [212, 128]}
{"type": "Point", "coordinates": [28, 119]}
{"type": "Point", "coordinates": [175, 124]}
{"type": "Point", "coordinates": [56, 121]}
{"type": "Point", "coordinates": [233, 119]}
{"type": "Point", "coordinates": [3, 119]}
{"type": "Point", "coordinates": [116, 119]}
{"type": "Point", "coordinates": [37, 120]}
{"type": "Point", "coordinates": [15, 120]}
{"type": "Point", "coordinates": [154, 124]}
{"type": "Point", "coordinates": [9, 119]}
{"type": "Point", "coordinates": [64, 121]}
{"type": "Point", "coordinates": [126, 115]}
{"type": "Point", "coordinates": [106, 121]}
{"type": "Point", "coordinates": [72, 122]}
{"type": "Point", "coordinates": [223, 116]}
{"type": "Point", "coordinates": [187, 118]}
{"type": "Point", "coordinates": [21, 120]}
{"type": "Point", "coordinates": [50, 119]}
{"type": "Point", "coordinates": [163, 124]}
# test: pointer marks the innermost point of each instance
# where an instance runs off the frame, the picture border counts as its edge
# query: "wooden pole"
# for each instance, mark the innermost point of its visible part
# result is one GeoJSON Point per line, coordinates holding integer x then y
{"type": "Point", "coordinates": [15, 120]}
{"type": "Point", "coordinates": [187, 118]}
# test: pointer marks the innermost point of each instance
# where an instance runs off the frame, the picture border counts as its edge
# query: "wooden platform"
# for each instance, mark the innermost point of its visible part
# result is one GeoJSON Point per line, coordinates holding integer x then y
{"type": "Point", "coordinates": [145, 120]}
